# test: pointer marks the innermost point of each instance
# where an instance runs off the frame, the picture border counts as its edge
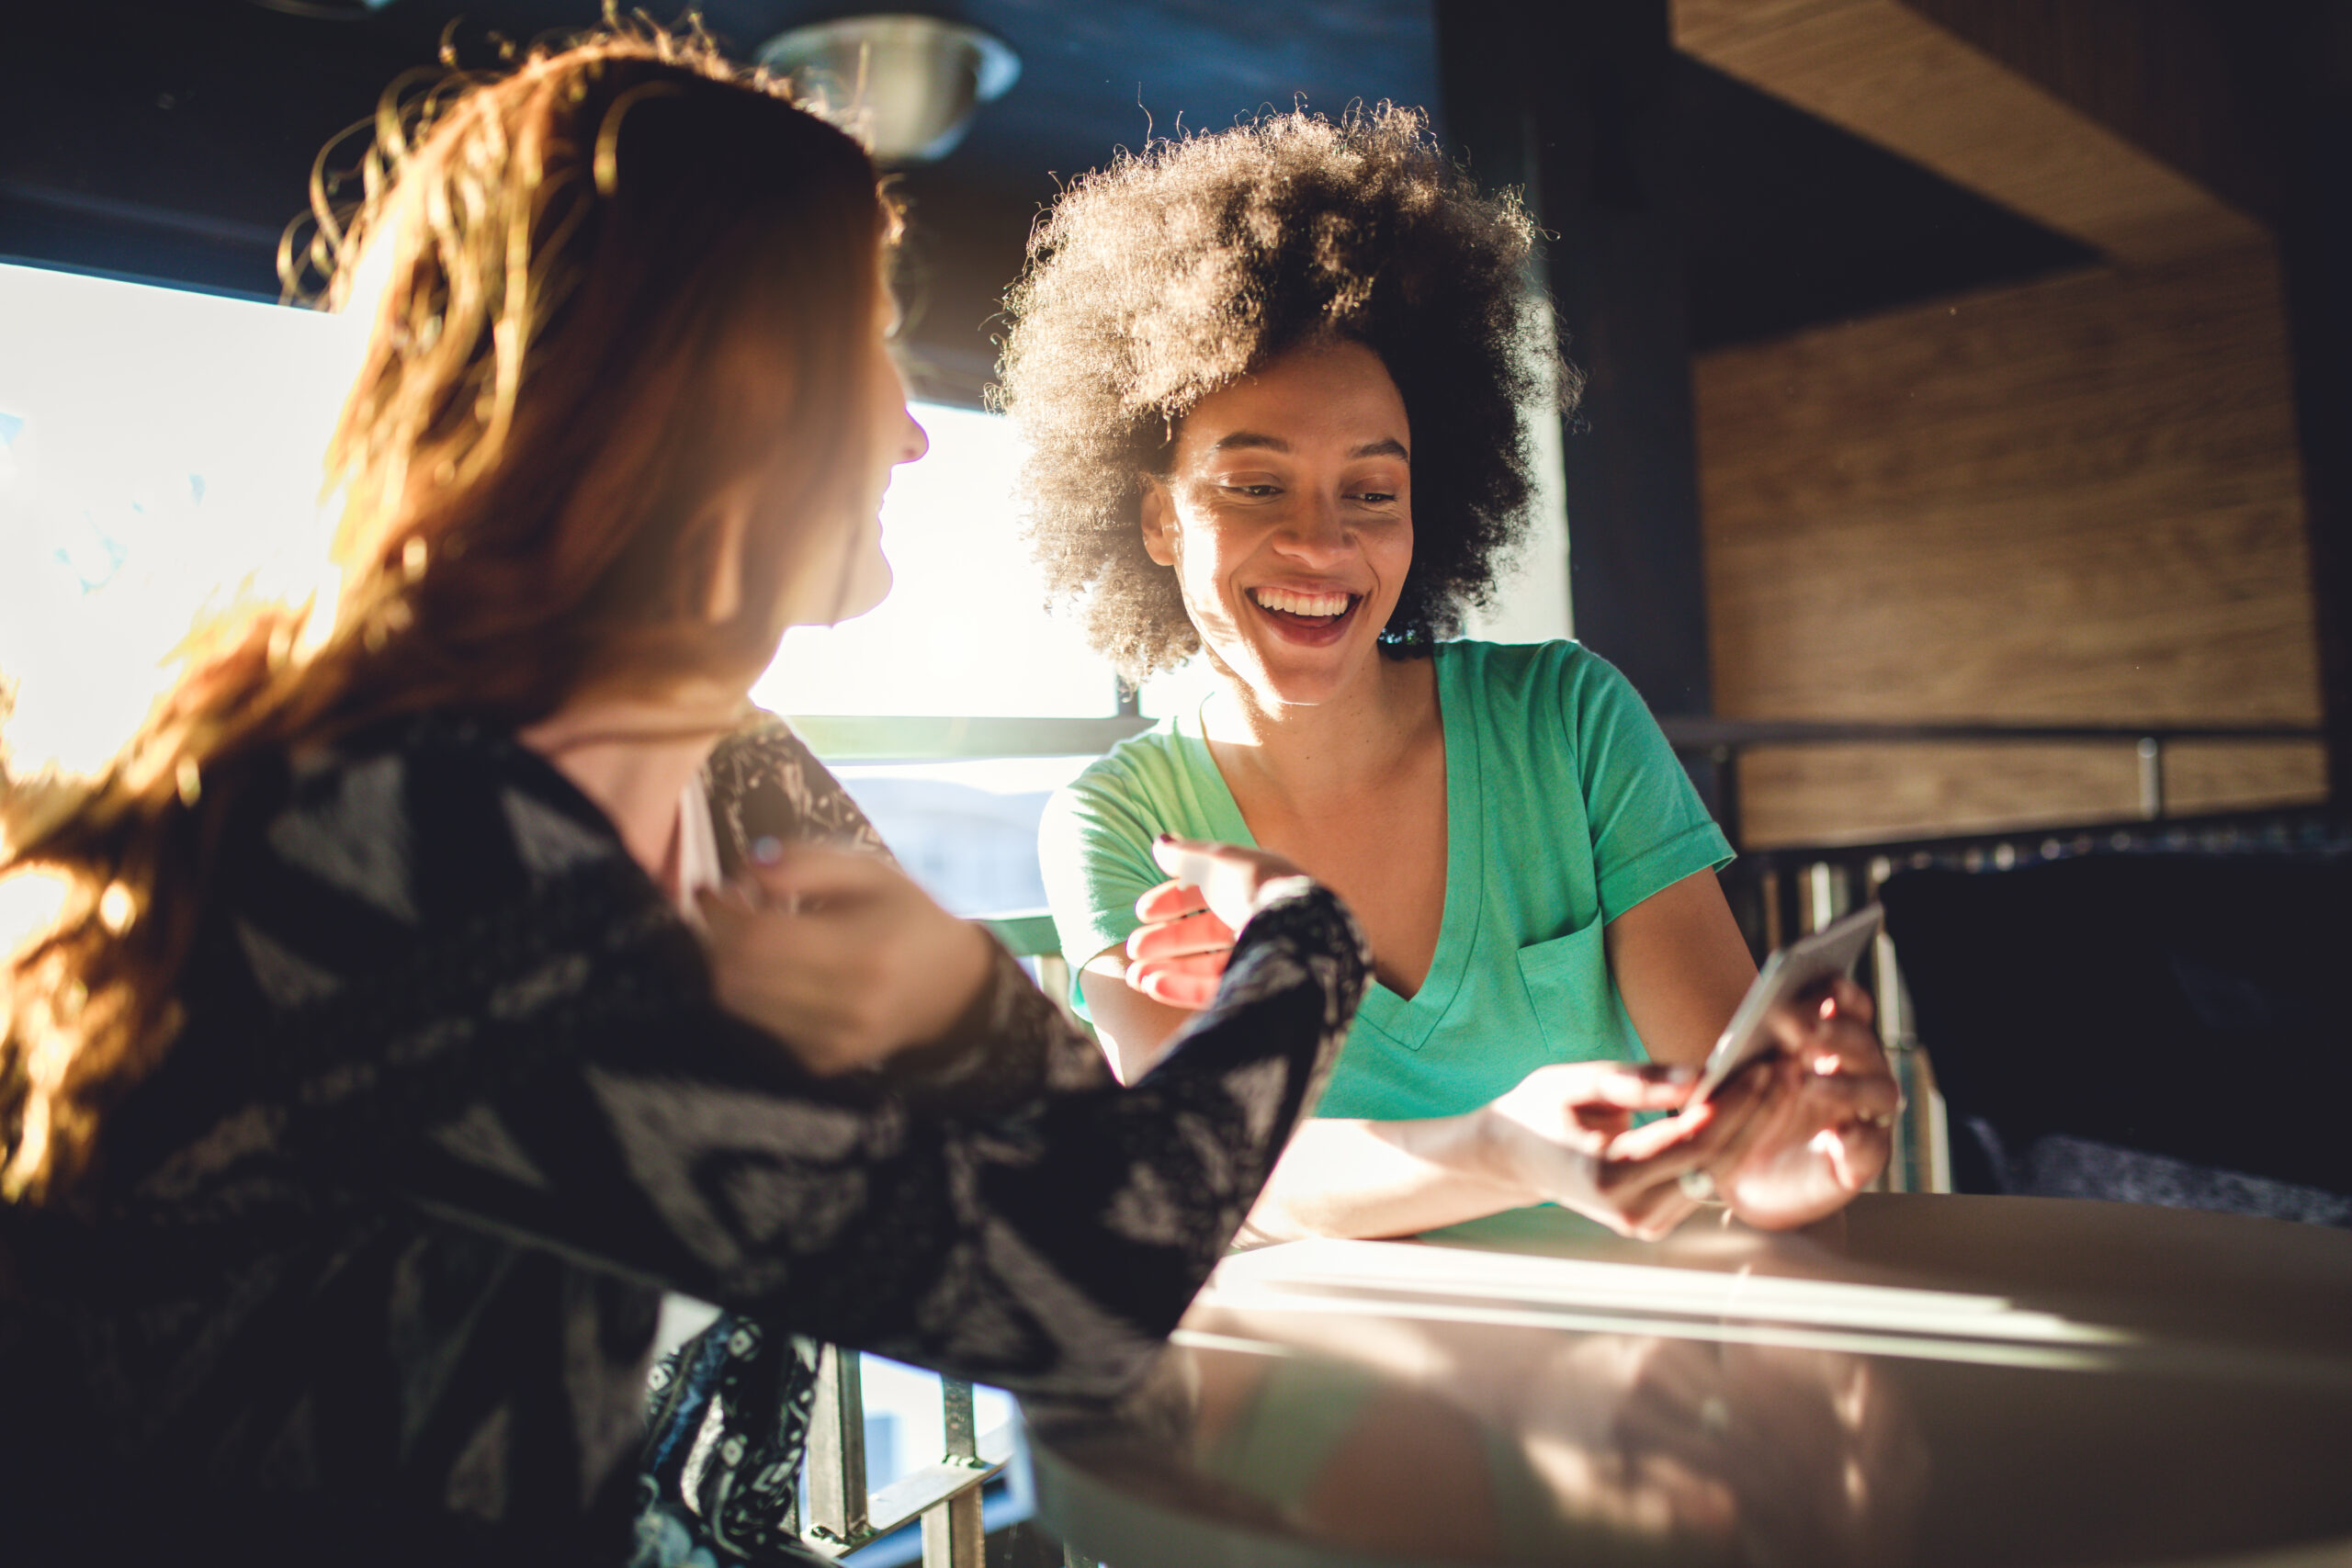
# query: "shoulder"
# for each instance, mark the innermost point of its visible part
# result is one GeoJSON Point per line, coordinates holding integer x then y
{"type": "Point", "coordinates": [762, 781]}
{"type": "Point", "coordinates": [1561, 672]}
{"type": "Point", "coordinates": [763, 745]}
{"type": "Point", "coordinates": [400, 815]}
{"type": "Point", "coordinates": [1140, 768]}
{"type": "Point", "coordinates": [1124, 797]}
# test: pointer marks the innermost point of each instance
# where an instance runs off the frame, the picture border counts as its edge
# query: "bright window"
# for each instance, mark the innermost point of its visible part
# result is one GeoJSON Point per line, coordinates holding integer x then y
{"type": "Point", "coordinates": [158, 448]}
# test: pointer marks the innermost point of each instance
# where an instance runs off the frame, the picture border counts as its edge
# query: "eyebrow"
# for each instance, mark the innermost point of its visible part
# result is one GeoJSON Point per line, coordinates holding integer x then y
{"type": "Point", "coordinates": [1250, 440]}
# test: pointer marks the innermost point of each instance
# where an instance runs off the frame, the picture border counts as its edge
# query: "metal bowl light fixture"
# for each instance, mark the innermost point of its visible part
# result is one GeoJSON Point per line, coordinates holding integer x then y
{"type": "Point", "coordinates": [910, 83]}
{"type": "Point", "coordinates": [324, 10]}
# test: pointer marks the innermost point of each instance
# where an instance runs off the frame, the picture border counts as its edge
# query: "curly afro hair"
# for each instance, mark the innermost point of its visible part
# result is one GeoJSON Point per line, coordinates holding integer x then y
{"type": "Point", "coordinates": [1155, 282]}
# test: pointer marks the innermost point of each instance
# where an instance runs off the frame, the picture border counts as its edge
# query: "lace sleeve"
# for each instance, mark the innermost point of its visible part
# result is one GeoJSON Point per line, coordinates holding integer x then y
{"type": "Point", "coordinates": [762, 781]}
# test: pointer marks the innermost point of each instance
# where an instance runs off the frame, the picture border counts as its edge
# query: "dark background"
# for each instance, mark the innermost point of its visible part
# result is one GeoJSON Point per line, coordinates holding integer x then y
{"type": "Point", "coordinates": [173, 140]}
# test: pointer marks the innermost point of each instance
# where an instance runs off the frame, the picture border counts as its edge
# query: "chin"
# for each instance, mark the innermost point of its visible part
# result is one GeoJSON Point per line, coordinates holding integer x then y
{"type": "Point", "coordinates": [848, 590]}
{"type": "Point", "coordinates": [1288, 682]}
{"type": "Point", "coordinates": [868, 586]}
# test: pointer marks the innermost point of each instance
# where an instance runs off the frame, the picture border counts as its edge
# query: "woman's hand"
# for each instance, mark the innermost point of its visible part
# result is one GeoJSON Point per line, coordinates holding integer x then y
{"type": "Point", "coordinates": [1177, 956]}
{"type": "Point", "coordinates": [1565, 1133]}
{"type": "Point", "coordinates": [1824, 1125]}
{"type": "Point", "coordinates": [842, 957]}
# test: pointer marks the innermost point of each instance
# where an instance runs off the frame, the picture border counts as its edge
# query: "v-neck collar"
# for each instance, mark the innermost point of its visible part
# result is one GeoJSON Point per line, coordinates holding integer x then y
{"type": "Point", "coordinates": [1406, 1020]}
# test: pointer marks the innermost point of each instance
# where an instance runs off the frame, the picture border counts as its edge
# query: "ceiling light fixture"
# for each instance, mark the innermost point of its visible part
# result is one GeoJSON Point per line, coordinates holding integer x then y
{"type": "Point", "coordinates": [324, 10]}
{"type": "Point", "coordinates": [910, 83]}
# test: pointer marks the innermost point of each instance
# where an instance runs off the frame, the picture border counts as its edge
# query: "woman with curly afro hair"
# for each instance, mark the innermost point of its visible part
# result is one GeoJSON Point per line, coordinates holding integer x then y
{"type": "Point", "coordinates": [1276, 383]}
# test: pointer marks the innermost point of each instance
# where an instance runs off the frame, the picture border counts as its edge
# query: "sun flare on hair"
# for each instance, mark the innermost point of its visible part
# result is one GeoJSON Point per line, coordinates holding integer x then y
{"type": "Point", "coordinates": [160, 455]}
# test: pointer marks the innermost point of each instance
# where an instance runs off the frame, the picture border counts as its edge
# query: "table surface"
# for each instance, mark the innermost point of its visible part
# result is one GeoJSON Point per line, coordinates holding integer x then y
{"type": "Point", "coordinates": [1923, 1379]}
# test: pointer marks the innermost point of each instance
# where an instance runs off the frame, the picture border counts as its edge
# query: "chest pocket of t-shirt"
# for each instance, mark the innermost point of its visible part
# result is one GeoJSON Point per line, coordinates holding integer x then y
{"type": "Point", "coordinates": [1575, 1002]}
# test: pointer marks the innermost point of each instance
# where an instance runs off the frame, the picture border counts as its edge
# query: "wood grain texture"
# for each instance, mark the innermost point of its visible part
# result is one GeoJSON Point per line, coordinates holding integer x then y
{"type": "Point", "coordinates": [1834, 794]}
{"type": "Point", "coordinates": [1852, 795]}
{"type": "Point", "coordinates": [1886, 72]}
{"type": "Point", "coordinates": [2182, 78]}
{"type": "Point", "coordinates": [2201, 777]}
{"type": "Point", "coordinates": [2076, 501]}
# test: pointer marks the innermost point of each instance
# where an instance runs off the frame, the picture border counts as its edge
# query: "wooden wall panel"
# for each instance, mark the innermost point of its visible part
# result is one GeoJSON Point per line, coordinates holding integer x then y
{"type": "Point", "coordinates": [2202, 776]}
{"type": "Point", "coordinates": [2075, 500]}
{"type": "Point", "coordinates": [1829, 794]}
{"type": "Point", "coordinates": [1889, 74]}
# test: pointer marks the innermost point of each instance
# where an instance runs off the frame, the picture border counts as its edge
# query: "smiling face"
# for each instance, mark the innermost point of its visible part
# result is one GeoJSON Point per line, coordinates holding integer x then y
{"type": "Point", "coordinates": [1287, 513]}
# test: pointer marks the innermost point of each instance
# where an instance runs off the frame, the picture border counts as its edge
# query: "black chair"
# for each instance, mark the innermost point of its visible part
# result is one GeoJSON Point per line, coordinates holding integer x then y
{"type": "Point", "coordinates": [2154, 1028]}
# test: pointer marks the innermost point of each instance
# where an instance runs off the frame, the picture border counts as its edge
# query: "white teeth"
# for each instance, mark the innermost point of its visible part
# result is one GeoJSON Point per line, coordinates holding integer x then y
{"type": "Point", "coordinates": [1301, 603]}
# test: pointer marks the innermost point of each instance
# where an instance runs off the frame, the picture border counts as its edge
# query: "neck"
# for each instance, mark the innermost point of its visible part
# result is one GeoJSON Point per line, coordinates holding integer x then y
{"type": "Point", "coordinates": [1315, 751]}
{"type": "Point", "coordinates": [634, 755]}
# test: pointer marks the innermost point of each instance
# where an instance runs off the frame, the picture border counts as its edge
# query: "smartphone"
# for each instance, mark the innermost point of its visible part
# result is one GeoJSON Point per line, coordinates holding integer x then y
{"type": "Point", "coordinates": [1788, 974]}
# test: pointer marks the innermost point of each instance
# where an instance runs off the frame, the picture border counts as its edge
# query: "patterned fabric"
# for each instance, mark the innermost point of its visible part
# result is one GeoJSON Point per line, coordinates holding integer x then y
{"type": "Point", "coordinates": [372, 1271]}
{"type": "Point", "coordinates": [727, 1419]}
{"type": "Point", "coordinates": [763, 782]}
{"type": "Point", "coordinates": [728, 1412]}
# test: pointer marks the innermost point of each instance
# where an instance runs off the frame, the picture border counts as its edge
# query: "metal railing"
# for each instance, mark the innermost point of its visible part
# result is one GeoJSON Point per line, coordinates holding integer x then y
{"type": "Point", "coordinates": [840, 1510]}
{"type": "Point", "coordinates": [1781, 893]}
{"type": "Point", "coordinates": [840, 1514]}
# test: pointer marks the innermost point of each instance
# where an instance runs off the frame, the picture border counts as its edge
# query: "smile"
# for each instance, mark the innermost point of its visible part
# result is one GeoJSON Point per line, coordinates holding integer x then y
{"type": "Point", "coordinates": [1294, 605]}
{"type": "Point", "coordinates": [1305, 619]}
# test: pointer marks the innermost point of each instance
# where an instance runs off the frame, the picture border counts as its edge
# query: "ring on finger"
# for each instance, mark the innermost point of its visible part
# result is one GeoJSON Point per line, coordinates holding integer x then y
{"type": "Point", "coordinates": [1698, 1185]}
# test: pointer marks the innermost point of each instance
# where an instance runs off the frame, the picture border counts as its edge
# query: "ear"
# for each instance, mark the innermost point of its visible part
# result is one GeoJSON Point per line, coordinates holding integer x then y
{"type": "Point", "coordinates": [1158, 522]}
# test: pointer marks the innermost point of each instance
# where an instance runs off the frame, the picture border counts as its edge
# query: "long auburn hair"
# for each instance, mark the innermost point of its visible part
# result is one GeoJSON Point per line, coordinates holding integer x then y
{"type": "Point", "coordinates": [614, 281]}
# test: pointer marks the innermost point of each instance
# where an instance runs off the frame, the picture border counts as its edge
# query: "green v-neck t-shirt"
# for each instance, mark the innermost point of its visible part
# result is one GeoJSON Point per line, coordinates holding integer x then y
{"type": "Point", "coordinates": [1565, 808]}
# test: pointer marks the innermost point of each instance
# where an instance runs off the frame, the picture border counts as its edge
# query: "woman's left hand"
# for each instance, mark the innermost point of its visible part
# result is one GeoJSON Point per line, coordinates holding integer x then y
{"type": "Point", "coordinates": [841, 956]}
{"type": "Point", "coordinates": [1827, 1118]}
{"type": "Point", "coordinates": [1177, 956]}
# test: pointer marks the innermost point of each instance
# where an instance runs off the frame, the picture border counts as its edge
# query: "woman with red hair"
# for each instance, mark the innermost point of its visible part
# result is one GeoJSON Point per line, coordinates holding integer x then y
{"type": "Point", "coordinates": [396, 1040]}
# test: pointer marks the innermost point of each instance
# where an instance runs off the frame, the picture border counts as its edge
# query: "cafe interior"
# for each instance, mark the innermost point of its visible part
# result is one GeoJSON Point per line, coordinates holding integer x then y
{"type": "Point", "coordinates": [1964, 479]}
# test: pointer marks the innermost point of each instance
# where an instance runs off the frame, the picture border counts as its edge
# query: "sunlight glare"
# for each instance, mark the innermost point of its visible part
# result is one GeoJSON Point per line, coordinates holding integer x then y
{"type": "Point", "coordinates": [161, 450]}
{"type": "Point", "coordinates": [964, 630]}
{"type": "Point", "coordinates": [165, 453]}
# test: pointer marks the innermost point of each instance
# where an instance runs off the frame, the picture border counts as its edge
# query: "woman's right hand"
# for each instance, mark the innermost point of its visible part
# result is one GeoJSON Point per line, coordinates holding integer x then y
{"type": "Point", "coordinates": [1566, 1135]}
{"type": "Point", "coordinates": [838, 954]}
{"type": "Point", "coordinates": [1177, 956]}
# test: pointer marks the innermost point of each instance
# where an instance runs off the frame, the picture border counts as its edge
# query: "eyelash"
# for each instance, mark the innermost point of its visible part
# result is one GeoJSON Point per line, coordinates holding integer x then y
{"type": "Point", "coordinates": [1258, 492]}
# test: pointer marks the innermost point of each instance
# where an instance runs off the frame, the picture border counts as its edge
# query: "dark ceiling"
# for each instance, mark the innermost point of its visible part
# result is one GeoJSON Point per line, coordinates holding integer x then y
{"type": "Point", "coordinates": [172, 140]}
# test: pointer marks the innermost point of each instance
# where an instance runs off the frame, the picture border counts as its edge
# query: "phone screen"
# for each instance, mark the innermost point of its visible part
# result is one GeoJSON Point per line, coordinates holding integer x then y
{"type": "Point", "coordinates": [1788, 974]}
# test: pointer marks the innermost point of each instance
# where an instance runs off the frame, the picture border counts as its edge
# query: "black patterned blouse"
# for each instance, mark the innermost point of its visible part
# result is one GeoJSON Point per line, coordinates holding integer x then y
{"type": "Point", "coordinates": [372, 1271]}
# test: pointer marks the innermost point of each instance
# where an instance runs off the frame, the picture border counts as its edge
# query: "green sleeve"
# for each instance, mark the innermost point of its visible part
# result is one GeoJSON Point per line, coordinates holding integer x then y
{"type": "Point", "coordinates": [1094, 849]}
{"type": "Point", "coordinates": [1649, 831]}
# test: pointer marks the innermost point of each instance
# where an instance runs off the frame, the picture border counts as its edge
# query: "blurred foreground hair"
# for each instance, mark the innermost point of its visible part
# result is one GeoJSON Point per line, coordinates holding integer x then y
{"type": "Point", "coordinates": [603, 286]}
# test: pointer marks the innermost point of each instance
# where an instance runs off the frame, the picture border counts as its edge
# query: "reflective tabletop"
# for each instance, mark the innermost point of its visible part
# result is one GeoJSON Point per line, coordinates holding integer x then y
{"type": "Point", "coordinates": [1923, 1379]}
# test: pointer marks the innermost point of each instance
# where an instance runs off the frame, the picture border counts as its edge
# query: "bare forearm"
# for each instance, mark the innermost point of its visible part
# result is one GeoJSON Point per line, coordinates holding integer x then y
{"type": "Point", "coordinates": [1379, 1179]}
{"type": "Point", "coordinates": [1133, 1030]}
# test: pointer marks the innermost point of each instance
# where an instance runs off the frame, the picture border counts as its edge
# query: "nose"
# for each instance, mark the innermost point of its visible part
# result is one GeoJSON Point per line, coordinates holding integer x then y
{"type": "Point", "coordinates": [1318, 531]}
{"type": "Point", "coordinates": [913, 441]}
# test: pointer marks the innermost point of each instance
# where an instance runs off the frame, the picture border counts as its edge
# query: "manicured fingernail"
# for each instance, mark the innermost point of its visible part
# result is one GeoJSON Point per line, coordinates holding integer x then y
{"type": "Point", "coordinates": [1680, 1074]}
{"type": "Point", "coordinates": [767, 849]}
{"type": "Point", "coordinates": [1828, 1008]}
